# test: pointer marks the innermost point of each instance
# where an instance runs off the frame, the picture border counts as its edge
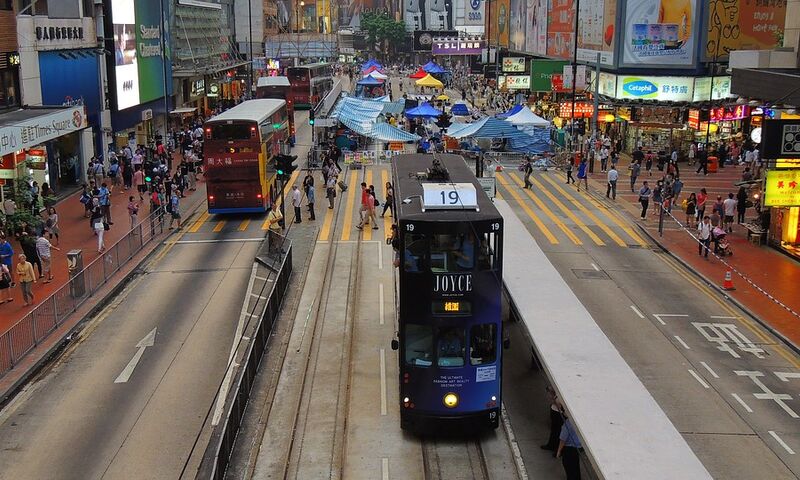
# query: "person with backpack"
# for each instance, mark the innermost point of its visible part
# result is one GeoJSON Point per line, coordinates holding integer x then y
{"type": "Point", "coordinates": [644, 199]}
{"type": "Point", "coordinates": [527, 168]}
{"type": "Point", "coordinates": [115, 174]}
{"type": "Point", "coordinates": [174, 207]}
{"type": "Point", "coordinates": [98, 171]}
{"type": "Point", "coordinates": [570, 166]}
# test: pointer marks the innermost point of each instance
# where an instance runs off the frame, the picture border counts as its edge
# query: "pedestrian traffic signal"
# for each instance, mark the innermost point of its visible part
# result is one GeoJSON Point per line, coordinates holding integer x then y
{"type": "Point", "coordinates": [311, 117]}
{"type": "Point", "coordinates": [284, 165]}
{"type": "Point", "coordinates": [580, 126]}
{"type": "Point", "coordinates": [444, 121]}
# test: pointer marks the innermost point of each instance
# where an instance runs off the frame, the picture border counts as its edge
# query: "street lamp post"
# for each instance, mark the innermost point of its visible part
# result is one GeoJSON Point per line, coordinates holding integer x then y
{"type": "Point", "coordinates": [574, 73]}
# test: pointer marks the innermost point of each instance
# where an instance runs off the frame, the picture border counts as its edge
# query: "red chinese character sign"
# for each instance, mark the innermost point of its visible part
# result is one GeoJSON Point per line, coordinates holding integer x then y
{"type": "Point", "coordinates": [582, 110]}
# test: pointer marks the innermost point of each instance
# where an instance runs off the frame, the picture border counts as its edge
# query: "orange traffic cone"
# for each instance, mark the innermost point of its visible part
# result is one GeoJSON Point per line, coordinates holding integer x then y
{"type": "Point", "coordinates": [728, 284]}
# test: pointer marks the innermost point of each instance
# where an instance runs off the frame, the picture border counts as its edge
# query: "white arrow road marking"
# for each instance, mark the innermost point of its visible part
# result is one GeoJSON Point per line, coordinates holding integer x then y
{"type": "Point", "coordinates": [148, 341]}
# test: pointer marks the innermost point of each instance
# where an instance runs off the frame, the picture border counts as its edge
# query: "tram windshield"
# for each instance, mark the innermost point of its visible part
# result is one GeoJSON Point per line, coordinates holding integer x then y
{"type": "Point", "coordinates": [450, 345]}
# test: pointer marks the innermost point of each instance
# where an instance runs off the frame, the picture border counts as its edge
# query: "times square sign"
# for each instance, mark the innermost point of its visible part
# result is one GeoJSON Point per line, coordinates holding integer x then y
{"type": "Point", "coordinates": [457, 46]}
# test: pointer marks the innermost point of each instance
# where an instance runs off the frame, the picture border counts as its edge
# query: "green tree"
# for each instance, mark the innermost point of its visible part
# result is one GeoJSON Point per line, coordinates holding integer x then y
{"type": "Point", "coordinates": [383, 31]}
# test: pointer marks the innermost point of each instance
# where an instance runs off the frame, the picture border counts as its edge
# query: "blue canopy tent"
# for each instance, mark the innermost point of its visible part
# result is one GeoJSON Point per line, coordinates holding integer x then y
{"type": "Point", "coordinates": [371, 63]}
{"type": "Point", "coordinates": [369, 81]}
{"type": "Point", "coordinates": [424, 110]}
{"type": "Point", "coordinates": [432, 67]}
{"type": "Point", "coordinates": [361, 116]}
{"type": "Point", "coordinates": [513, 111]}
{"type": "Point", "coordinates": [490, 127]}
{"type": "Point", "coordinates": [459, 109]}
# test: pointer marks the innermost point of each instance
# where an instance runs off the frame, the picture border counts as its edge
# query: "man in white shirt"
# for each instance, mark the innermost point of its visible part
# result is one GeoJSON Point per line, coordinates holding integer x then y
{"type": "Point", "coordinates": [704, 235]}
{"type": "Point", "coordinates": [297, 198]}
{"type": "Point", "coordinates": [613, 176]}
{"type": "Point", "coordinates": [729, 208]}
{"type": "Point", "coordinates": [603, 158]}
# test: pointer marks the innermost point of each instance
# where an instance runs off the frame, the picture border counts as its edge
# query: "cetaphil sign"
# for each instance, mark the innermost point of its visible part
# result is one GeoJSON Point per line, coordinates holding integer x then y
{"type": "Point", "coordinates": [665, 89]}
{"type": "Point", "coordinates": [34, 131]}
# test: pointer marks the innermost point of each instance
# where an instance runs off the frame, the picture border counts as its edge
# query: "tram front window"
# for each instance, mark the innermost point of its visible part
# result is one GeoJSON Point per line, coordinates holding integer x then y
{"type": "Point", "coordinates": [452, 252]}
{"type": "Point", "coordinates": [483, 344]}
{"type": "Point", "coordinates": [414, 250]}
{"type": "Point", "coordinates": [419, 345]}
{"type": "Point", "coordinates": [450, 347]}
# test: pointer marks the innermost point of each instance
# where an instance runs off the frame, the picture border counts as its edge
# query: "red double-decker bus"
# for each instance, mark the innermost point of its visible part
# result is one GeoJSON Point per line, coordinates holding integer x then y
{"type": "Point", "coordinates": [278, 87]}
{"type": "Point", "coordinates": [309, 83]}
{"type": "Point", "coordinates": [239, 146]}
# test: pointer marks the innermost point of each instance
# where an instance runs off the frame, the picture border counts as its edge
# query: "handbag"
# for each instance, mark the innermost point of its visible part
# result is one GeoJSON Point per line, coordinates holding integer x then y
{"type": "Point", "coordinates": [106, 226]}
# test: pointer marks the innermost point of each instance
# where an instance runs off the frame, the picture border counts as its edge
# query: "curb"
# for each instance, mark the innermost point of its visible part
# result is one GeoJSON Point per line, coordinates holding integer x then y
{"type": "Point", "coordinates": [66, 339]}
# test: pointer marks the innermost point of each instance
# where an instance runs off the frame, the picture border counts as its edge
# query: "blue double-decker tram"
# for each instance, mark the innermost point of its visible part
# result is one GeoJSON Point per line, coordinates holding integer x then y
{"type": "Point", "coordinates": [450, 285]}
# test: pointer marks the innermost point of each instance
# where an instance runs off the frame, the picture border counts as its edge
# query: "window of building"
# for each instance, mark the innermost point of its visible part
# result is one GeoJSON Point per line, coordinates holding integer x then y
{"type": "Point", "coordinates": [6, 5]}
{"type": "Point", "coordinates": [8, 89]}
{"type": "Point", "coordinates": [483, 344]}
{"type": "Point", "coordinates": [419, 345]}
{"type": "Point", "coordinates": [88, 8]}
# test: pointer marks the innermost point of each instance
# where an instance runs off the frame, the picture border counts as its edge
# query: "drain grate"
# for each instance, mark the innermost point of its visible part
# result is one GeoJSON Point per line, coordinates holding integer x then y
{"type": "Point", "coordinates": [589, 274]}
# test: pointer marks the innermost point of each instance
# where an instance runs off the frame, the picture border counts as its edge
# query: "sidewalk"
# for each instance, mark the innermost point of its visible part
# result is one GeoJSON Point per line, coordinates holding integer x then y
{"type": "Point", "coordinates": [75, 234]}
{"type": "Point", "coordinates": [777, 274]}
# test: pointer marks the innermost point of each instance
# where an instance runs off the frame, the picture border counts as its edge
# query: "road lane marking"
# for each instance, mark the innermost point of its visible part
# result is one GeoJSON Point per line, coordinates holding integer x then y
{"type": "Point", "coordinates": [199, 222]}
{"type": "Point", "coordinates": [662, 322]}
{"type": "Point", "coordinates": [546, 231]}
{"type": "Point", "coordinates": [595, 267]}
{"type": "Point", "coordinates": [380, 303]}
{"type": "Point", "coordinates": [680, 340]}
{"type": "Point", "coordinates": [781, 442]}
{"type": "Point", "coordinates": [221, 240]}
{"type": "Point", "coordinates": [380, 256]}
{"type": "Point", "coordinates": [148, 341]}
{"type": "Point", "coordinates": [368, 231]}
{"type": "Point", "coordinates": [636, 310]}
{"type": "Point", "coordinates": [384, 468]}
{"type": "Point", "coordinates": [587, 212]}
{"type": "Point", "coordinates": [260, 297]}
{"type": "Point", "coordinates": [712, 372]}
{"type": "Point", "coordinates": [699, 379]}
{"type": "Point", "coordinates": [348, 212]}
{"type": "Point", "coordinates": [623, 223]}
{"type": "Point", "coordinates": [383, 382]}
{"type": "Point", "coordinates": [741, 402]}
{"type": "Point", "coordinates": [243, 226]}
{"type": "Point", "coordinates": [723, 317]}
{"type": "Point", "coordinates": [544, 208]}
{"type": "Point", "coordinates": [498, 195]}
{"type": "Point", "coordinates": [218, 227]}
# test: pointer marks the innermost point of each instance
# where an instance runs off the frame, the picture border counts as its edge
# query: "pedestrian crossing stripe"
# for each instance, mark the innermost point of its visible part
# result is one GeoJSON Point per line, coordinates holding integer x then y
{"type": "Point", "coordinates": [547, 211]}
{"type": "Point", "coordinates": [512, 190]}
{"type": "Point", "coordinates": [347, 226]}
{"type": "Point", "coordinates": [368, 228]}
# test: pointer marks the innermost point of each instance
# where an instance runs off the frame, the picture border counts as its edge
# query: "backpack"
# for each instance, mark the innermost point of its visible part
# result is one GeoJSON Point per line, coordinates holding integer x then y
{"type": "Point", "coordinates": [112, 170]}
{"type": "Point", "coordinates": [154, 199]}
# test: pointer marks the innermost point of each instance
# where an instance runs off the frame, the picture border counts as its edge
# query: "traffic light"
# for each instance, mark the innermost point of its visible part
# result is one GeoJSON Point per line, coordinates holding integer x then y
{"type": "Point", "coordinates": [580, 126]}
{"type": "Point", "coordinates": [443, 121]}
{"type": "Point", "coordinates": [311, 117]}
{"type": "Point", "coordinates": [284, 165]}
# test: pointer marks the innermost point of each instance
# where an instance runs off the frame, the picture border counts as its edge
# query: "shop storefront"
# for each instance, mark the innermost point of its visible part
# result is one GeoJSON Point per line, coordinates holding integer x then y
{"type": "Point", "coordinates": [782, 196]}
{"type": "Point", "coordinates": [45, 145]}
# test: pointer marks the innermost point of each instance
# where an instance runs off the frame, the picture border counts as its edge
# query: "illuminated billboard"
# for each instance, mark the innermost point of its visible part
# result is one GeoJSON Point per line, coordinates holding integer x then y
{"type": "Point", "coordinates": [596, 31]}
{"type": "Point", "coordinates": [660, 33]}
{"type": "Point", "coordinates": [138, 56]}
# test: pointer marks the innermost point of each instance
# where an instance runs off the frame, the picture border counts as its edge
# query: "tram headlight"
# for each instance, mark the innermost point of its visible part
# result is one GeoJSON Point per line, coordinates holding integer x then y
{"type": "Point", "coordinates": [494, 399]}
{"type": "Point", "coordinates": [406, 400]}
{"type": "Point", "coordinates": [450, 400]}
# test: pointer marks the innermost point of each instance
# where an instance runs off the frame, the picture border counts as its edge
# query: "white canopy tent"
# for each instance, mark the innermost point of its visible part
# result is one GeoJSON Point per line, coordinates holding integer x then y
{"type": "Point", "coordinates": [377, 75]}
{"type": "Point", "coordinates": [526, 117]}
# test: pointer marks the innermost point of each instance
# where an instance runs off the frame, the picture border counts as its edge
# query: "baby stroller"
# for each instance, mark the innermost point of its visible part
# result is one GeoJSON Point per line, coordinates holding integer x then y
{"type": "Point", "coordinates": [721, 245]}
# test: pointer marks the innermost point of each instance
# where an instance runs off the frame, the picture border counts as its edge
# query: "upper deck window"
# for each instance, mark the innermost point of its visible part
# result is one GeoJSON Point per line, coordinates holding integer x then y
{"type": "Point", "coordinates": [232, 131]}
{"type": "Point", "coordinates": [452, 252]}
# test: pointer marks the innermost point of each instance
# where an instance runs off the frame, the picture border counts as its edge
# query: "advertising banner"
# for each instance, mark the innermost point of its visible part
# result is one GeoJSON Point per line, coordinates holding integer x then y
{"type": "Point", "coordinates": [664, 89]}
{"type": "Point", "coordinates": [518, 82]}
{"type": "Point", "coordinates": [423, 39]}
{"type": "Point", "coordinates": [726, 114]}
{"type": "Point", "coordinates": [470, 13]}
{"type": "Point", "coordinates": [514, 64]}
{"type": "Point", "coordinates": [702, 89]}
{"type": "Point", "coordinates": [454, 46]}
{"type": "Point", "coordinates": [517, 25]}
{"type": "Point", "coordinates": [743, 25]}
{"type": "Point", "coordinates": [560, 28]}
{"type": "Point", "coordinates": [660, 33]}
{"type": "Point", "coordinates": [536, 27]}
{"type": "Point", "coordinates": [782, 188]}
{"type": "Point", "coordinates": [498, 23]}
{"type": "Point", "coordinates": [428, 15]}
{"type": "Point", "coordinates": [596, 31]}
{"type": "Point", "coordinates": [780, 139]}
{"type": "Point", "coordinates": [35, 131]}
{"type": "Point", "coordinates": [138, 57]}
{"type": "Point", "coordinates": [71, 82]}
{"type": "Point", "coordinates": [542, 72]}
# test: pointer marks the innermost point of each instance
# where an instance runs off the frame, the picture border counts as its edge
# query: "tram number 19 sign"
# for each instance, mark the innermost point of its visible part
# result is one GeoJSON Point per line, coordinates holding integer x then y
{"type": "Point", "coordinates": [449, 196]}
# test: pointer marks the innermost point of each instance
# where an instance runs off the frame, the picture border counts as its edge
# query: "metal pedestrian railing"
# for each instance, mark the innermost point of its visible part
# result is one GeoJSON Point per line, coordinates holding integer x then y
{"type": "Point", "coordinates": [51, 312]}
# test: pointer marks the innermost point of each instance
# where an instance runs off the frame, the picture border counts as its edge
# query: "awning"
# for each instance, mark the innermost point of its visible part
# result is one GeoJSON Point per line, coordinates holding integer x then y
{"type": "Point", "coordinates": [512, 111]}
{"type": "Point", "coordinates": [376, 74]}
{"type": "Point", "coordinates": [370, 81]}
{"type": "Point", "coordinates": [493, 128]}
{"type": "Point", "coordinates": [361, 116]}
{"type": "Point", "coordinates": [424, 110]}
{"type": "Point", "coordinates": [182, 110]}
{"type": "Point", "coordinates": [432, 67]}
{"type": "Point", "coordinates": [459, 109]}
{"type": "Point", "coordinates": [526, 117]}
{"type": "Point", "coordinates": [32, 126]}
{"type": "Point", "coordinates": [420, 73]}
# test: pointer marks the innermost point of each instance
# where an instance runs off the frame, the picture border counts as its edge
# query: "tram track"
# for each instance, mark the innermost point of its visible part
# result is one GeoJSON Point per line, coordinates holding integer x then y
{"type": "Point", "coordinates": [325, 328]}
{"type": "Point", "coordinates": [453, 458]}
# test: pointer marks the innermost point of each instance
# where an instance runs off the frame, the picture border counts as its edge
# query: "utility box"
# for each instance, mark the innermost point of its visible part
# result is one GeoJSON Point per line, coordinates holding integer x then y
{"type": "Point", "coordinates": [77, 281]}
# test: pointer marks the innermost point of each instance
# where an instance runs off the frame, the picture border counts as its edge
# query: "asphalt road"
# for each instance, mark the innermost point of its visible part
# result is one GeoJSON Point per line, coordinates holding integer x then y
{"type": "Point", "coordinates": [727, 385]}
{"type": "Point", "coordinates": [92, 416]}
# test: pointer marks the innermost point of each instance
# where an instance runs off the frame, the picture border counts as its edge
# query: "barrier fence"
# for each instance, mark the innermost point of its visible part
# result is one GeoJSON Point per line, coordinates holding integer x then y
{"type": "Point", "coordinates": [51, 312]}
{"type": "Point", "coordinates": [223, 438]}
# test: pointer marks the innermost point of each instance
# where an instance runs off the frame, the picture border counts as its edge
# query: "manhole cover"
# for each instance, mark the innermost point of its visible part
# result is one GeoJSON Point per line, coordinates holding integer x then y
{"type": "Point", "coordinates": [589, 274]}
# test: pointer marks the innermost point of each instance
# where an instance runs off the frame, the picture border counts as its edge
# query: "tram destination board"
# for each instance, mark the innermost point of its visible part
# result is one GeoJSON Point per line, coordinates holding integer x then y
{"type": "Point", "coordinates": [449, 196]}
